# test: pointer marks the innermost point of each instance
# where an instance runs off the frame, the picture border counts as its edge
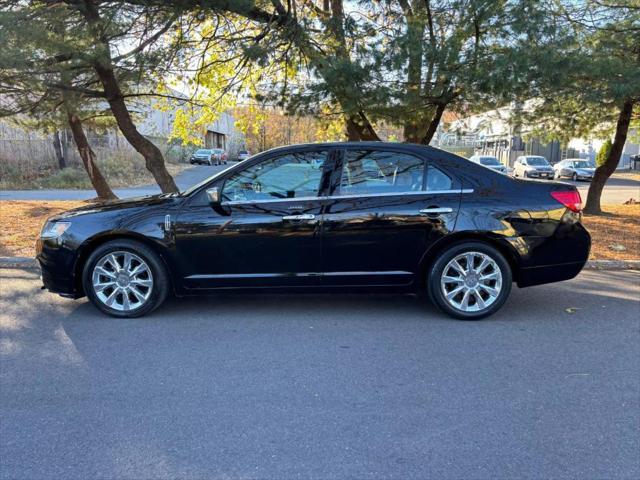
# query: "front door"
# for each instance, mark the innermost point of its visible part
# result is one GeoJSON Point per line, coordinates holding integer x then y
{"type": "Point", "coordinates": [265, 233]}
{"type": "Point", "coordinates": [385, 210]}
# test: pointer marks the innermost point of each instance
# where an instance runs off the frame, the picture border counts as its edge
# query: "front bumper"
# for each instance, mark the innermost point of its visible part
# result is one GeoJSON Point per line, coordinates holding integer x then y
{"type": "Point", "coordinates": [540, 174]}
{"type": "Point", "coordinates": [57, 264]}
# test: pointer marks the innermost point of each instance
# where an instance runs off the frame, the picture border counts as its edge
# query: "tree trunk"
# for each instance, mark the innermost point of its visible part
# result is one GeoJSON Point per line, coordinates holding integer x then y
{"type": "Point", "coordinates": [604, 171]}
{"type": "Point", "coordinates": [57, 147]}
{"type": "Point", "coordinates": [359, 129]}
{"type": "Point", "coordinates": [154, 160]}
{"type": "Point", "coordinates": [65, 145]}
{"type": "Point", "coordinates": [89, 159]}
{"type": "Point", "coordinates": [433, 125]}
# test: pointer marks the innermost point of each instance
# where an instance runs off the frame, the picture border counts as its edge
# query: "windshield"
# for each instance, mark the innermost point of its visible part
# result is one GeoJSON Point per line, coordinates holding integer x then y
{"type": "Point", "coordinates": [202, 151]}
{"type": "Point", "coordinates": [489, 161]}
{"type": "Point", "coordinates": [217, 150]}
{"type": "Point", "coordinates": [582, 164]}
{"type": "Point", "coordinates": [243, 152]}
{"type": "Point", "coordinates": [539, 161]}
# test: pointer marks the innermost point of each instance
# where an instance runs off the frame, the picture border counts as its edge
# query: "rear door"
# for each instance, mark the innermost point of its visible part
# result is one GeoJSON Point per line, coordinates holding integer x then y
{"type": "Point", "coordinates": [385, 208]}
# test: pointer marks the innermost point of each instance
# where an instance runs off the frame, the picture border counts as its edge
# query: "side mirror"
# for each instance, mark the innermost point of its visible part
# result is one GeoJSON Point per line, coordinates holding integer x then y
{"type": "Point", "coordinates": [213, 194]}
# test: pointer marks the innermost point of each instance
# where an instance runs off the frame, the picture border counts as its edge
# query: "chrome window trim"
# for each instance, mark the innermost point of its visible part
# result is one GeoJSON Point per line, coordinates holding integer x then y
{"type": "Point", "coordinates": [269, 200]}
{"type": "Point", "coordinates": [341, 197]}
{"type": "Point", "coordinates": [396, 194]}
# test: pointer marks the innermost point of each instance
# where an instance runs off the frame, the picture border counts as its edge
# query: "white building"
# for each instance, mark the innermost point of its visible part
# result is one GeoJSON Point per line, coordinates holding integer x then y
{"type": "Point", "coordinates": [493, 133]}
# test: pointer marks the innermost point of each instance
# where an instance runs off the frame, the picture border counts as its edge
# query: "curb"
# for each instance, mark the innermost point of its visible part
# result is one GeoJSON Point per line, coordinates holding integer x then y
{"type": "Point", "coordinates": [613, 265]}
{"type": "Point", "coordinates": [19, 262]}
{"type": "Point", "coordinates": [31, 263]}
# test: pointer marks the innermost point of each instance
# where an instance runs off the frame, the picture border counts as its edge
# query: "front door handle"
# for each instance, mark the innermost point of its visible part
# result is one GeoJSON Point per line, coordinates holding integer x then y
{"type": "Point", "coordinates": [297, 218]}
{"type": "Point", "coordinates": [436, 210]}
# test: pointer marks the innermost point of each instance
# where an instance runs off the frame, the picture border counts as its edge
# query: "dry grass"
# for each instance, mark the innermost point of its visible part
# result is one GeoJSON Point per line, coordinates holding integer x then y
{"type": "Point", "coordinates": [618, 228]}
{"type": "Point", "coordinates": [22, 221]}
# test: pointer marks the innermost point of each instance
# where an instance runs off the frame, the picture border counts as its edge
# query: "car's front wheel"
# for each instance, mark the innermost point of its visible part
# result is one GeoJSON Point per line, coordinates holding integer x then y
{"type": "Point", "coordinates": [469, 281]}
{"type": "Point", "coordinates": [124, 278]}
{"type": "Point", "coordinates": [574, 177]}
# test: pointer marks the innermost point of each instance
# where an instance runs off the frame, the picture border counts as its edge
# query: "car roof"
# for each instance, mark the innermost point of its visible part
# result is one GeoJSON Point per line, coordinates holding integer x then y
{"type": "Point", "coordinates": [368, 144]}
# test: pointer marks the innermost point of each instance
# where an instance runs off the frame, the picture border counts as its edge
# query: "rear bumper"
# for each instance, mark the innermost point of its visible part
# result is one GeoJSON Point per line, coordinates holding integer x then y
{"type": "Point", "coordinates": [531, 276]}
{"type": "Point", "coordinates": [553, 259]}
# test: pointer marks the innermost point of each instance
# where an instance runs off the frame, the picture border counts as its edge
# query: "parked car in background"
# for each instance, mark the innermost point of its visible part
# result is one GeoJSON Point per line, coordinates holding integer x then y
{"type": "Point", "coordinates": [333, 217]}
{"type": "Point", "coordinates": [243, 155]}
{"type": "Point", "coordinates": [575, 169]}
{"type": "Point", "coordinates": [208, 156]}
{"type": "Point", "coordinates": [219, 156]}
{"type": "Point", "coordinates": [490, 162]}
{"type": "Point", "coordinates": [203, 156]}
{"type": "Point", "coordinates": [532, 166]}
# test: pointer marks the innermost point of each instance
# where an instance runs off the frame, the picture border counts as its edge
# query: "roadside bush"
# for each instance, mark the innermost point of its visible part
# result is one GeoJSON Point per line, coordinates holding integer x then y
{"type": "Point", "coordinates": [70, 177]}
{"type": "Point", "coordinates": [603, 153]}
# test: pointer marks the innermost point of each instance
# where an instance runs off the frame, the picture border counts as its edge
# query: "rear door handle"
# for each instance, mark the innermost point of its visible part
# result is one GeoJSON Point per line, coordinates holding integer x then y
{"type": "Point", "coordinates": [296, 218]}
{"type": "Point", "coordinates": [436, 210]}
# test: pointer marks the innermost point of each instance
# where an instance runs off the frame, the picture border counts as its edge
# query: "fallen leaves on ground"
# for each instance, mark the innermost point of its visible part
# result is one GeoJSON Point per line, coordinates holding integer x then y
{"type": "Point", "coordinates": [23, 220]}
{"type": "Point", "coordinates": [615, 235]}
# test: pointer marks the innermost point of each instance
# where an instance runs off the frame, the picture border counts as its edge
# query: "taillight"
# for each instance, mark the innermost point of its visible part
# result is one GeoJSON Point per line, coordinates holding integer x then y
{"type": "Point", "coordinates": [569, 198]}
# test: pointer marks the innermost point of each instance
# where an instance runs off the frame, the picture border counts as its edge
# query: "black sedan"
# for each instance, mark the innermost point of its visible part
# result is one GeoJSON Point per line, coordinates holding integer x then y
{"type": "Point", "coordinates": [332, 217]}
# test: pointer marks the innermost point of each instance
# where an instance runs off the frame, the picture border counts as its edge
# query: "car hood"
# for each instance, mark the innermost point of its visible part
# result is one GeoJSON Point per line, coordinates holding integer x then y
{"type": "Point", "coordinates": [137, 202]}
{"type": "Point", "coordinates": [496, 167]}
{"type": "Point", "coordinates": [543, 168]}
{"type": "Point", "coordinates": [586, 170]}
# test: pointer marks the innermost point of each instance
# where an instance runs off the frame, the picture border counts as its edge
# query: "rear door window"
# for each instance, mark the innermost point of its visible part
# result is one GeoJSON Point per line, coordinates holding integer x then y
{"type": "Point", "coordinates": [437, 180]}
{"type": "Point", "coordinates": [369, 172]}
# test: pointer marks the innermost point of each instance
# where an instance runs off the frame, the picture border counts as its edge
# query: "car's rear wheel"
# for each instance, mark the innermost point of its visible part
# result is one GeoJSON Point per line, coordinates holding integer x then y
{"type": "Point", "coordinates": [124, 278]}
{"type": "Point", "coordinates": [469, 281]}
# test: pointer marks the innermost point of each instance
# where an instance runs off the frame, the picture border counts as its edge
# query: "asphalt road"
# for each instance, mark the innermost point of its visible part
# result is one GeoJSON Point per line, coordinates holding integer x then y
{"type": "Point", "coordinates": [617, 191]}
{"type": "Point", "coordinates": [327, 387]}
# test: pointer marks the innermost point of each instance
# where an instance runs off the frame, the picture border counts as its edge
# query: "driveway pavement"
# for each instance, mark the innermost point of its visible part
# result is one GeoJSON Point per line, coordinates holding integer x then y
{"type": "Point", "coordinates": [618, 190]}
{"type": "Point", "coordinates": [326, 387]}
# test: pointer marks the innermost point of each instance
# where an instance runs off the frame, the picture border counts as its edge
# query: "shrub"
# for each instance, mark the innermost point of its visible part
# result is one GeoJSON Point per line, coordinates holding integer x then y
{"type": "Point", "coordinates": [603, 153]}
{"type": "Point", "coordinates": [67, 178]}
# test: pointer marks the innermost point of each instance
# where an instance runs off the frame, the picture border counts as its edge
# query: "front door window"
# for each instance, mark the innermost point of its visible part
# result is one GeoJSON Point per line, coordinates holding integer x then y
{"type": "Point", "coordinates": [291, 176]}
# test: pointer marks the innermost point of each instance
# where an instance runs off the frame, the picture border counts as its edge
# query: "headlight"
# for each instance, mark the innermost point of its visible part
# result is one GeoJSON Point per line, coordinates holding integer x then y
{"type": "Point", "coordinates": [53, 229]}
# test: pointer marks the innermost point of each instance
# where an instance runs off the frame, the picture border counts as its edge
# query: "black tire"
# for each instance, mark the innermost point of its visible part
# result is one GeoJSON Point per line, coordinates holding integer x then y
{"type": "Point", "coordinates": [574, 177]}
{"type": "Point", "coordinates": [160, 288]}
{"type": "Point", "coordinates": [435, 273]}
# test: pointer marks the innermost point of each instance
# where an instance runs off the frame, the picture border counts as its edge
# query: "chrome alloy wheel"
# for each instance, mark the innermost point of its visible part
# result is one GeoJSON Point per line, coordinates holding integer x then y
{"type": "Point", "coordinates": [122, 281]}
{"type": "Point", "coordinates": [471, 281]}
